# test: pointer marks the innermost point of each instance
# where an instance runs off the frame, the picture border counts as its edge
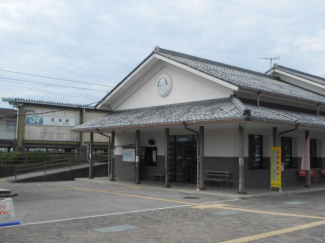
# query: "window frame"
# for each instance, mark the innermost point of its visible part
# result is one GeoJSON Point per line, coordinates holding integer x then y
{"type": "Point", "coordinates": [284, 154]}
{"type": "Point", "coordinates": [253, 146]}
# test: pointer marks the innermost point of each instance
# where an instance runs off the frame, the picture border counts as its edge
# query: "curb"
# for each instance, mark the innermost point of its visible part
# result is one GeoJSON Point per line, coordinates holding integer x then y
{"type": "Point", "coordinates": [287, 193]}
{"type": "Point", "coordinates": [229, 196]}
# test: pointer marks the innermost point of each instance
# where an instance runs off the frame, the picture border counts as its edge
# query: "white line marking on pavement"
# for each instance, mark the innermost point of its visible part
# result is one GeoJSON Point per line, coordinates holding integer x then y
{"type": "Point", "coordinates": [93, 216]}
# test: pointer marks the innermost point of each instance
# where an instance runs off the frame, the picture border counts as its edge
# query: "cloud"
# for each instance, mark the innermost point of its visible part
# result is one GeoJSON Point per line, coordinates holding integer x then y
{"type": "Point", "coordinates": [101, 41]}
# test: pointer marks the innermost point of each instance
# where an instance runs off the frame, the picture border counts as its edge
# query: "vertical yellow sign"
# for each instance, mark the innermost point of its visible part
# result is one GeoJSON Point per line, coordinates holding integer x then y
{"type": "Point", "coordinates": [275, 167]}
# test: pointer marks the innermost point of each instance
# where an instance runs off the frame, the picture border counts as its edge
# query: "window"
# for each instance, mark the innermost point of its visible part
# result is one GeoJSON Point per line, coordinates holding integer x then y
{"type": "Point", "coordinates": [286, 150]}
{"type": "Point", "coordinates": [150, 156]}
{"type": "Point", "coordinates": [313, 153]}
{"type": "Point", "coordinates": [255, 151]}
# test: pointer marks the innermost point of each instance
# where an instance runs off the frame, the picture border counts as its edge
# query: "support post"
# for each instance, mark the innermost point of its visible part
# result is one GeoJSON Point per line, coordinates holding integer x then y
{"type": "Point", "coordinates": [20, 129]}
{"type": "Point", "coordinates": [81, 134]}
{"type": "Point", "coordinates": [111, 176]}
{"type": "Point", "coordinates": [241, 161]}
{"type": "Point", "coordinates": [137, 157]}
{"type": "Point", "coordinates": [201, 174]}
{"type": "Point", "coordinates": [166, 185]}
{"type": "Point", "coordinates": [109, 155]}
{"type": "Point", "coordinates": [308, 184]}
{"type": "Point", "coordinates": [275, 137]}
{"type": "Point", "coordinates": [91, 150]}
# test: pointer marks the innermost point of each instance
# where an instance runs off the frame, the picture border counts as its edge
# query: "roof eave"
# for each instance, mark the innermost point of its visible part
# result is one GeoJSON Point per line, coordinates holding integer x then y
{"type": "Point", "coordinates": [284, 72]}
{"type": "Point", "coordinates": [282, 96]}
{"type": "Point", "coordinates": [180, 123]}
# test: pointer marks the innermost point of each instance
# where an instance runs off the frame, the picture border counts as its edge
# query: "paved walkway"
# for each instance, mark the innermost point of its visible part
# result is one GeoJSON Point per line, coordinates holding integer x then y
{"type": "Point", "coordinates": [101, 211]}
{"type": "Point", "coordinates": [215, 190]}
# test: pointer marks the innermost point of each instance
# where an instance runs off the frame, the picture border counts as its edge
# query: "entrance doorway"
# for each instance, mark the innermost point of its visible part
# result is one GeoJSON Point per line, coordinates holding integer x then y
{"type": "Point", "coordinates": [182, 155]}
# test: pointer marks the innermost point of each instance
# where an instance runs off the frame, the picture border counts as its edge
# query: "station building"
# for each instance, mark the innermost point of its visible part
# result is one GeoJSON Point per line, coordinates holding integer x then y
{"type": "Point", "coordinates": [178, 116]}
{"type": "Point", "coordinates": [47, 125]}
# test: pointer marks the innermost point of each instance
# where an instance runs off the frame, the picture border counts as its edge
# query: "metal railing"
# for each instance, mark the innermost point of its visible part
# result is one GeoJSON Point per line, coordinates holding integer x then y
{"type": "Point", "coordinates": [60, 163]}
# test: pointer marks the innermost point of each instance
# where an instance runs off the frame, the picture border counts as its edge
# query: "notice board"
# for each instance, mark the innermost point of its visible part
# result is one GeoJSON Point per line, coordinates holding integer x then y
{"type": "Point", "coordinates": [128, 155]}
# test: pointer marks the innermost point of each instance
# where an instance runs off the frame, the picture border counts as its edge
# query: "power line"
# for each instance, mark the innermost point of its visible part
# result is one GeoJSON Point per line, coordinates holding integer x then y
{"type": "Point", "coordinates": [57, 85]}
{"type": "Point", "coordinates": [40, 76]}
{"type": "Point", "coordinates": [44, 91]}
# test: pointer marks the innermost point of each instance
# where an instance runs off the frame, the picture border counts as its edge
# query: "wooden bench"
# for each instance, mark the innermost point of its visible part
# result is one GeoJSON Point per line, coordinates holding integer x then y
{"type": "Point", "coordinates": [217, 176]}
{"type": "Point", "coordinates": [157, 177]}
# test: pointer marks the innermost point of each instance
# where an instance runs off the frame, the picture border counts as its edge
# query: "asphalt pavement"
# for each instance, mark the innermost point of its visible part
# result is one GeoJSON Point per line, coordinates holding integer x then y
{"type": "Point", "coordinates": [86, 211]}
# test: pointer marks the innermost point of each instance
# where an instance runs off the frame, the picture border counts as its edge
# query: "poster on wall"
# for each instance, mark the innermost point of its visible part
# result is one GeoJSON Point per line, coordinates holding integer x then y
{"type": "Point", "coordinates": [276, 167]}
{"type": "Point", "coordinates": [128, 155]}
{"type": "Point", "coordinates": [51, 121]}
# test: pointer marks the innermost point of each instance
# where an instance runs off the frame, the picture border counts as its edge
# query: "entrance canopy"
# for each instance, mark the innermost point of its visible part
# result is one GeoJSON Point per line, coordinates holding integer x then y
{"type": "Point", "coordinates": [204, 112]}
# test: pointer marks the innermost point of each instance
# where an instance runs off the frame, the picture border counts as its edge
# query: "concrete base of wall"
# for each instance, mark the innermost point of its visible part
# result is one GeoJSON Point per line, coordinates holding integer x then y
{"type": "Point", "coordinates": [7, 170]}
{"type": "Point", "coordinates": [253, 178]}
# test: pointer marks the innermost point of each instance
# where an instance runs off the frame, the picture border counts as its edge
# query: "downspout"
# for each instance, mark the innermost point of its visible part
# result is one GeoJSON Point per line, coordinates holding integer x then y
{"type": "Point", "coordinates": [291, 130]}
{"type": "Point", "coordinates": [197, 155]}
{"type": "Point", "coordinates": [258, 97]}
{"type": "Point", "coordinates": [101, 133]}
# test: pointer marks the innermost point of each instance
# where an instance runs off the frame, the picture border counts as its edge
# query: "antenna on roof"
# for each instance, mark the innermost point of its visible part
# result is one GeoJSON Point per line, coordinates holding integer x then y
{"type": "Point", "coordinates": [271, 59]}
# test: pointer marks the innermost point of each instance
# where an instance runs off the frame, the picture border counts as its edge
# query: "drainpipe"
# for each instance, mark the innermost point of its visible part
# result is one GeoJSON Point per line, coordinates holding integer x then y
{"type": "Point", "coordinates": [198, 155]}
{"type": "Point", "coordinates": [291, 130]}
{"type": "Point", "coordinates": [258, 98]}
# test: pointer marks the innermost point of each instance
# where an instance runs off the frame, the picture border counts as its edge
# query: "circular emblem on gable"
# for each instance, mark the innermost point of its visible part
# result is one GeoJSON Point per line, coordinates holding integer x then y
{"type": "Point", "coordinates": [164, 85]}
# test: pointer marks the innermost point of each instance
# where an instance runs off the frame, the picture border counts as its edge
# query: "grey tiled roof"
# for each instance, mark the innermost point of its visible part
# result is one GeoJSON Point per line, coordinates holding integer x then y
{"type": "Point", "coordinates": [244, 79]}
{"type": "Point", "coordinates": [220, 110]}
{"type": "Point", "coordinates": [285, 115]}
{"type": "Point", "coordinates": [307, 76]}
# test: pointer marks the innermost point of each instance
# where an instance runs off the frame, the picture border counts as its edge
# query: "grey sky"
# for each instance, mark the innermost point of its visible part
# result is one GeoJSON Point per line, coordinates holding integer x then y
{"type": "Point", "coordinates": [102, 41]}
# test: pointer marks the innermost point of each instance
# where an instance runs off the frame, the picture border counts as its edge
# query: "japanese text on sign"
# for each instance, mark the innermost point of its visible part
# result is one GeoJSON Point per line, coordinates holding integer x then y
{"type": "Point", "coordinates": [276, 167]}
{"type": "Point", "coordinates": [50, 121]}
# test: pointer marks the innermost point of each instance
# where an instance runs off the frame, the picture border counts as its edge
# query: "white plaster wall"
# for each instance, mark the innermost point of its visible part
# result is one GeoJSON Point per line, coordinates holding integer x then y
{"type": "Point", "coordinates": [52, 133]}
{"type": "Point", "coordinates": [220, 142]}
{"type": "Point", "coordinates": [3, 133]}
{"type": "Point", "coordinates": [223, 140]}
{"type": "Point", "coordinates": [187, 87]}
{"type": "Point", "coordinates": [129, 138]}
{"type": "Point", "coordinates": [91, 115]}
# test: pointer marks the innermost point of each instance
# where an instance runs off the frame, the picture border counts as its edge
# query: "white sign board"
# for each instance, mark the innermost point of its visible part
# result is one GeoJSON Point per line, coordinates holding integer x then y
{"type": "Point", "coordinates": [6, 210]}
{"type": "Point", "coordinates": [57, 121]}
{"type": "Point", "coordinates": [128, 155]}
{"type": "Point", "coordinates": [7, 213]}
{"type": "Point", "coordinates": [51, 121]}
